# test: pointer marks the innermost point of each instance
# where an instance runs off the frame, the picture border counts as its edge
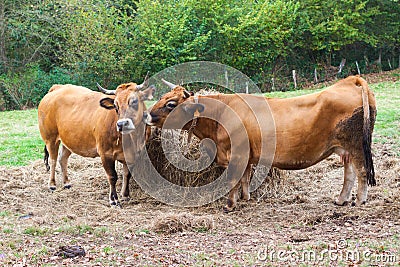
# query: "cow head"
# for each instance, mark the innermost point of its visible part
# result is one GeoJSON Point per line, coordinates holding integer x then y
{"type": "Point", "coordinates": [168, 102]}
{"type": "Point", "coordinates": [129, 104]}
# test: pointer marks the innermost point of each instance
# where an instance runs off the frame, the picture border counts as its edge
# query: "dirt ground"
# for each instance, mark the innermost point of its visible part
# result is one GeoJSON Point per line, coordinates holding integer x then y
{"type": "Point", "coordinates": [281, 225]}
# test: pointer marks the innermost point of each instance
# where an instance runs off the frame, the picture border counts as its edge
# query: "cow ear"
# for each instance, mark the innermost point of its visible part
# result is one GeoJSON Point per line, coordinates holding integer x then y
{"type": "Point", "coordinates": [148, 93]}
{"type": "Point", "coordinates": [192, 107]}
{"type": "Point", "coordinates": [107, 103]}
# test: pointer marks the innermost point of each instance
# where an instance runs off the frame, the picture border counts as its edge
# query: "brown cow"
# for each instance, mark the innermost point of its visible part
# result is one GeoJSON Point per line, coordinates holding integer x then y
{"type": "Point", "coordinates": [85, 122]}
{"type": "Point", "coordinates": [339, 119]}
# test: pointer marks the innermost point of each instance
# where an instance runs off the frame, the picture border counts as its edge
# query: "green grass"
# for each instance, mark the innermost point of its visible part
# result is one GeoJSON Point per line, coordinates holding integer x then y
{"type": "Point", "coordinates": [387, 126]}
{"type": "Point", "coordinates": [35, 231]}
{"type": "Point", "coordinates": [20, 141]}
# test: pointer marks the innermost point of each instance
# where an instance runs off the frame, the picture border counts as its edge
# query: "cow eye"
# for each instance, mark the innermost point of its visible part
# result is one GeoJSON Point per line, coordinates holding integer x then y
{"type": "Point", "coordinates": [134, 101]}
{"type": "Point", "coordinates": [116, 107]}
{"type": "Point", "coordinates": [171, 105]}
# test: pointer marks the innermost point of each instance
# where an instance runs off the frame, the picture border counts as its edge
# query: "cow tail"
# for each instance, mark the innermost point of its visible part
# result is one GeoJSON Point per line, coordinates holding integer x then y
{"type": "Point", "coordinates": [367, 136]}
{"type": "Point", "coordinates": [46, 158]}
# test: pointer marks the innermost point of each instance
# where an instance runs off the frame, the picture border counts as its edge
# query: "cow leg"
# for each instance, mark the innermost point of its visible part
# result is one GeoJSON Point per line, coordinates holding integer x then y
{"type": "Point", "coordinates": [348, 183]}
{"type": "Point", "coordinates": [245, 181]}
{"type": "Point", "coordinates": [63, 161]}
{"type": "Point", "coordinates": [362, 182]}
{"type": "Point", "coordinates": [109, 167]}
{"type": "Point", "coordinates": [232, 198]}
{"type": "Point", "coordinates": [52, 148]}
{"type": "Point", "coordinates": [125, 182]}
{"type": "Point", "coordinates": [235, 184]}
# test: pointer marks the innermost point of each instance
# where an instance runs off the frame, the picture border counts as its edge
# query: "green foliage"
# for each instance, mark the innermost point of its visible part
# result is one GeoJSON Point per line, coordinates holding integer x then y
{"type": "Point", "coordinates": [25, 89]}
{"type": "Point", "coordinates": [385, 24]}
{"type": "Point", "coordinates": [246, 35]}
{"type": "Point", "coordinates": [97, 40]}
{"type": "Point", "coordinates": [330, 25]}
{"type": "Point", "coordinates": [169, 32]}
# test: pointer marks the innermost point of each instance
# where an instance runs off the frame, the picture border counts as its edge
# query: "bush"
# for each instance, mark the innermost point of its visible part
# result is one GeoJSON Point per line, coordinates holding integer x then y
{"type": "Point", "coordinates": [25, 89]}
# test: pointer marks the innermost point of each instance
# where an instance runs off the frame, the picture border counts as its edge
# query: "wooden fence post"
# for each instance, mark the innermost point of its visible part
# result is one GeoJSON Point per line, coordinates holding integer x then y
{"type": "Point", "coordinates": [273, 84]}
{"type": "Point", "coordinates": [226, 79]}
{"type": "Point", "coordinates": [315, 75]}
{"type": "Point", "coordinates": [342, 63]}
{"type": "Point", "coordinates": [358, 68]}
{"type": "Point", "coordinates": [294, 78]}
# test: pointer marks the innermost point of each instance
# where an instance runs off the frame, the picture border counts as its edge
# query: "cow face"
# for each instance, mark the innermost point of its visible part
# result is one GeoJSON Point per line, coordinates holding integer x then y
{"type": "Point", "coordinates": [168, 102]}
{"type": "Point", "coordinates": [182, 114]}
{"type": "Point", "coordinates": [129, 104]}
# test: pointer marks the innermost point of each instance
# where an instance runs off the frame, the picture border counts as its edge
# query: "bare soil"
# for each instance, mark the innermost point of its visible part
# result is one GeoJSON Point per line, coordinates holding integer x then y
{"type": "Point", "coordinates": [296, 217]}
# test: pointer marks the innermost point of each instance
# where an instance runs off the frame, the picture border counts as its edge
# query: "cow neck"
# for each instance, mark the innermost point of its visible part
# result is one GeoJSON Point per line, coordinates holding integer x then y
{"type": "Point", "coordinates": [206, 127]}
{"type": "Point", "coordinates": [194, 121]}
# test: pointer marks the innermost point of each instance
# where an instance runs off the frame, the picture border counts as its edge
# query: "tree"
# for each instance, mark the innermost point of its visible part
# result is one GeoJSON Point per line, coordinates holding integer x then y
{"type": "Point", "coordinates": [244, 34]}
{"type": "Point", "coordinates": [97, 41]}
{"type": "Point", "coordinates": [330, 25]}
{"type": "Point", "coordinates": [25, 33]}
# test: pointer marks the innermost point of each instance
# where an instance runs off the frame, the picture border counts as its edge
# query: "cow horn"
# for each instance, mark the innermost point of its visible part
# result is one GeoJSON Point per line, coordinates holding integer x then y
{"type": "Point", "coordinates": [145, 83]}
{"type": "Point", "coordinates": [105, 91]}
{"type": "Point", "coordinates": [170, 85]}
{"type": "Point", "coordinates": [186, 94]}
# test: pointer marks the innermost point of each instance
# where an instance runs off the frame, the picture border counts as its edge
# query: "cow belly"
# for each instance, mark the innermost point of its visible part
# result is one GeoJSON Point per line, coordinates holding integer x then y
{"type": "Point", "coordinates": [81, 147]}
{"type": "Point", "coordinates": [301, 161]}
{"type": "Point", "coordinates": [293, 165]}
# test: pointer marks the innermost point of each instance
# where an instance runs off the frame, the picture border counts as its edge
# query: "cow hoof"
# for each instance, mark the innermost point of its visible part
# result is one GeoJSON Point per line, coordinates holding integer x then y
{"type": "Point", "coordinates": [116, 204]}
{"type": "Point", "coordinates": [67, 186]}
{"type": "Point", "coordinates": [358, 203]}
{"type": "Point", "coordinates": [52, 188]}
{"type": "Point", "coordinates": [227, 209]}
{"type": "Point", "coordinates": [337, 203]}
{"type": "Point", "coordinates": [245, 198]}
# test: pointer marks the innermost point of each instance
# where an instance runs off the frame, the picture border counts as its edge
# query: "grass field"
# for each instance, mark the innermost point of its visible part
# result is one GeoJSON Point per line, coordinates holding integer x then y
{"type": "Point", "coordinates": [20, 141]}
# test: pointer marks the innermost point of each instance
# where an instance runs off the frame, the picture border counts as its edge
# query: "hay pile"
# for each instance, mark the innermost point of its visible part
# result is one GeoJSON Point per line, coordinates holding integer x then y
{"type": "Point", "coordinates": [177, 140]}
{"type": "Point", "coordinates": [272, 186]}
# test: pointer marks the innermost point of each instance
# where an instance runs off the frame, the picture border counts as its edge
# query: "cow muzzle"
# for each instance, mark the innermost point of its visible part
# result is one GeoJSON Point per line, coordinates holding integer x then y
{"type": "Point", "coordinates": [147, 118]}
{"type": "Point", "coordinates": [125, 126]}
{"type": "Point", "coordinates": [151, 120]}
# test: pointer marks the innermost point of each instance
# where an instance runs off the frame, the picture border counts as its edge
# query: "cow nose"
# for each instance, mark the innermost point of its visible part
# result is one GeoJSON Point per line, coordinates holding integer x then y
{"type": "Point", "coordinates": [147, 118]}
{"type": "Point", "coordinates": [120, 125]}
{"type": "Point", "coordinates": [125, 125]}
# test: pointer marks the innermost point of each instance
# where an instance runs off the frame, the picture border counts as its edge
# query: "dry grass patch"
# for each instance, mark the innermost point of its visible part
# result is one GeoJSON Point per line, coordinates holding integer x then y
{"type": "Point", "coordinates": [173, 223]}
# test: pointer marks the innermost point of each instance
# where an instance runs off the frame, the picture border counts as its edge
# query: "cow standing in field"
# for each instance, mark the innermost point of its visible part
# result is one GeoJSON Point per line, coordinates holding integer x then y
{"type": "Point", "coordinates": [91, 125]}
{"type": "Point", "coordinates": [307, 129]}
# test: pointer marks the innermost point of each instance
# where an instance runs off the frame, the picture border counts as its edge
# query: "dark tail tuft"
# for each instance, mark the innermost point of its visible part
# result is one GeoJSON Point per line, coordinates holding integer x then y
{"type": "Point", "coordinates": [368, 163]}
{"type": "Point", "coordinates": [369, 121]}
{"type": "Point", "coordinates": [46, 158]}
